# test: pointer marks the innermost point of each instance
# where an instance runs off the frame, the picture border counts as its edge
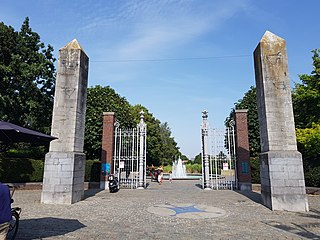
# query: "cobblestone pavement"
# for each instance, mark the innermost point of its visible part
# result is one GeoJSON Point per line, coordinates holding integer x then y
{"type": "Point", "coordinates": [131, 214]}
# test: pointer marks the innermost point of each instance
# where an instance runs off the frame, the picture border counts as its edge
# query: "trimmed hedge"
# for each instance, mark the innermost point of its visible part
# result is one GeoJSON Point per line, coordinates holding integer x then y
{"type": "Point", "coordinates": [190, 168]}
{"type": "Point", "coordinates": [93, 169]}
{"type": "Point", "coordinates": [194, 168]}
{"type": "Point", "coordinates": [21, 170]}
{"type": "Point", "coordinates": [255, 169]}
{"type": "Point", "coordinates": [18, 170]}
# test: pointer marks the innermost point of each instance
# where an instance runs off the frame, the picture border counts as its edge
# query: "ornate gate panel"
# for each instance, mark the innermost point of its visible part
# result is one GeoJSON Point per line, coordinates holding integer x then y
{"type": "Point", "coordinates": [222, 159]}
{"type": "Point", "coordinates": [129, 159]}
{"type": "Point", "coordinates": [218, 157]}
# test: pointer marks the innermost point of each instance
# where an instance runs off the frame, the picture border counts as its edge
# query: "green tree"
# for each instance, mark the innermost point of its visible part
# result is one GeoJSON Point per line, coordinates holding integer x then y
{"type": "Point", "coordinates": [169, 148]}
{"type": "Point", "coordinates": [153, 134]}
{"type": "Point", "coordinates": [99, 100]}
{"type": "Point", "coordinates": [198, 159]}
{"type": "Point", "coordinates": [306, 96]}
{"type": "Point", "coordinates": [27, 76]}
{"type": "Point", "coordinates": [161, 147]}
{"type": "Point", "coordinates": [249, 101]}
{"type": "Point", "coordinates": [306, 106]}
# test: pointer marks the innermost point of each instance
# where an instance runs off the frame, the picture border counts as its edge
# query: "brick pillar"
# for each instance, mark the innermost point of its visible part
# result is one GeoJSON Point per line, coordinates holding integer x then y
{"type": "Point", "coordinates": [107, 148]}
{"type": "Point", "coordinates": [242, 150]}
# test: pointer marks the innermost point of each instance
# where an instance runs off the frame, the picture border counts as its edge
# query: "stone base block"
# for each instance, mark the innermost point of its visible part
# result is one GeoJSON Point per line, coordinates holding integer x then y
{"type": "Point", "coordinates": [282, 181]}
{"type": "Point", "coordinates": [245, 186]}
{"type": "Point", "coordinates": [63, 180]}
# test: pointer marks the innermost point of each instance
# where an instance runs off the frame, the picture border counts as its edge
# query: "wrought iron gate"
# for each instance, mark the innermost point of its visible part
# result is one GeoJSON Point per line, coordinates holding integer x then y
{"type": "Point", "coordinates": [218, 157]}
{"type": "Point", "coordinates": [129, 159]}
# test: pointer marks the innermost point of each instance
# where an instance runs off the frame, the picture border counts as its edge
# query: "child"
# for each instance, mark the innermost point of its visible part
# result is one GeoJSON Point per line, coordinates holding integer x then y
{"type": "Point", "coordinates": [160, 174]}
{"type": "Point", "coordinates": [170, 177]}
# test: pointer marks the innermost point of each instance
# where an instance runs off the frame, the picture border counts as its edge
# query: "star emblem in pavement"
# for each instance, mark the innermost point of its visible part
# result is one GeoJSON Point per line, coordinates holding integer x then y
{"type": "Point", "coordinates": [186, 209]}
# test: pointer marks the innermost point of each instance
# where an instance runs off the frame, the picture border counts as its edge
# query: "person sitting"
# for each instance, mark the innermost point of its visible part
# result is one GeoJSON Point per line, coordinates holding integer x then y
{"type": "Point", "coordinates": [5, 210]}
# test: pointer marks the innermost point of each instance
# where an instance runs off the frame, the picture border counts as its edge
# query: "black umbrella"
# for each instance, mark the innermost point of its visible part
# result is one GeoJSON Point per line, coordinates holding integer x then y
{"type": "Point", "coordinates": [10, 133]}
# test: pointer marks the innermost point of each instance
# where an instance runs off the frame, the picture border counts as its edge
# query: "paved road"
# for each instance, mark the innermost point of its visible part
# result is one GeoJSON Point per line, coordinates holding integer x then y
{"type": "Point", "coordinates": [180, 210]}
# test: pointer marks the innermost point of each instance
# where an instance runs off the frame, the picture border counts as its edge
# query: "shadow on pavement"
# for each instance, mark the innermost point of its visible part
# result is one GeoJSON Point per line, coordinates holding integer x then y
{"type": "Point", "coordinates": [301, 230]}
{"type": "Point", "coordinates": [39, 228]}
{"type": "Point", "coordinates": [313, 213]}
{"type": "Point", "coordinates": [256, 197]}
{"type": "Point", "coordinates": [91, 192]}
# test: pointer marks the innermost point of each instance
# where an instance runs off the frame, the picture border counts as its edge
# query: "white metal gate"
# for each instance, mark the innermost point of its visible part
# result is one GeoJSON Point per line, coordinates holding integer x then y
{"type": "Point", "coordinates": [129, 159]}
{"type": "Point", "coordinates": [218, 156]}
{"type": "Point", "coordinates": [222, 161]}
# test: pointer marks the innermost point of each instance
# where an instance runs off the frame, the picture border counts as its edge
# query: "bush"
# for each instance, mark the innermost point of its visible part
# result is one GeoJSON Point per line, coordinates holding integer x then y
{"type": "Point", "coordinates": [194, 168]}
{"type": "Point", "coordinates": [18, 170]}
{"type": "Point", "coordinates": [21, 170]}
{"type": "Point", "coordinates": [93, 169]}
{"type": "Point", "coordinates": [255, 169]}
{"type": "Point", "coordinates": [167, 168]}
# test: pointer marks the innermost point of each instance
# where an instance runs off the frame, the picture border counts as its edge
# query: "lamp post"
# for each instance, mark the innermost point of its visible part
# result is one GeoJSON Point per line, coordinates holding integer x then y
{"type": "Point", "coordinates": [142, 150]}
{"type": "Point", "coordinates": [205, 155]}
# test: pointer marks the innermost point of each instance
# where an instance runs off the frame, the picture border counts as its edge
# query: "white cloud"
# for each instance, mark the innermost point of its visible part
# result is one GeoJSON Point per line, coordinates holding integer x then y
{"type": "Point", "coordinates": [151, 28]}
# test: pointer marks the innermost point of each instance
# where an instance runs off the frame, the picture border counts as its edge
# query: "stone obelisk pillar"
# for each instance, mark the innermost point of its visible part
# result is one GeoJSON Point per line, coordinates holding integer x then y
{"type": "Point", "coordinates": [281, 169]}
{"type": "Point", "coordinates": [65, 162]}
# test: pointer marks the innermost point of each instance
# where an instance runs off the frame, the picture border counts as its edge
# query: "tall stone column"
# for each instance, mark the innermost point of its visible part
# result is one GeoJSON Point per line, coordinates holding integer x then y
{"type": "Point", "coordinates": [107, 148]}
{"type": "Point", "coordinates": [242, 150]}
{"type": "Point", "coordinates": [205, 151]}
{"type": "Point", "coordinates": [65, 162]}
{"type": "Point", "coordinates": [281, 169]}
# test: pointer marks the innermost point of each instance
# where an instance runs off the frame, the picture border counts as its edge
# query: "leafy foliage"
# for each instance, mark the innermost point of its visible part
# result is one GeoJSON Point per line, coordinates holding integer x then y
{"type": "Point", "coordinates": [21, 170]}
{"type": "Point", "coordinates": [255, 169]}
{"type": "Point", "coordinates": [306, 105]}
{"type": "Point", "coordinates": [17, 170]}
{"type": "Point", "coordinates": [308, 144]}
{"type": "Point", "coordinates": [249, 101]}
{"type": "Point", "coordinates": [161, 147]}
{"type": "Point", "coordinates": [26, 78]}
{"type": "Point", "coordinates": [99, 100]}
{"type": "Point", "coordinates": [194, 168]}
{"type": "Point", "coordinates": [198, 159]}
{"type": "Point", "coordinates": [92, 171]}
{"type": "Point", "coordinates": [169, 148]}
{"type": "Point", "coordinates": [306, 96]}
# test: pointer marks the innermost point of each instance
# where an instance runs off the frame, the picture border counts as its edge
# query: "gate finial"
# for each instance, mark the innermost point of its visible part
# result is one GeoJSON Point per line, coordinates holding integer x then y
{"type": "Point", "coordinates": [204, 114]}
{"type": "Point", "coordinates": [141, 116]}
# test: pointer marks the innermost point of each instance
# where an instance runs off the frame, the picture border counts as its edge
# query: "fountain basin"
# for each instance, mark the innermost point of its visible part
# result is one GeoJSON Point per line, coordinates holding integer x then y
{"type": "Point", "coordinates": [189, 176]}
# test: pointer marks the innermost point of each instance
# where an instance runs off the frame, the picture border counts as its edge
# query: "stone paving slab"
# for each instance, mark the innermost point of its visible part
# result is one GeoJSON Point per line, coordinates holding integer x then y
{"type": "Point", "coordinates": [128, 214]}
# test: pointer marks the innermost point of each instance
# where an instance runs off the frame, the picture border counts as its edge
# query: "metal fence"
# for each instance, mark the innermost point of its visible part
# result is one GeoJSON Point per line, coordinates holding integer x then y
{"type": "Point", "coordinates": [218, 156]}
{"type": "Point", "coordinates": [129, 159]}
{"type": "Point", "coordinates": [222, 161]}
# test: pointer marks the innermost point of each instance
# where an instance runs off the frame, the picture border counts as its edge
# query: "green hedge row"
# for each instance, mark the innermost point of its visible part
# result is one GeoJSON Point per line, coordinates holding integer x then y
{"type": "Point", "coordinates": [190, 168]}
{"type": "Point", "coordinates": [19, 170]}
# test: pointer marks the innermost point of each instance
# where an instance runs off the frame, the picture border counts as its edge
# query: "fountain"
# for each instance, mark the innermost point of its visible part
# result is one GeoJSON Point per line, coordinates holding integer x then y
{"type": "Point", "coordinates": [179, 169]}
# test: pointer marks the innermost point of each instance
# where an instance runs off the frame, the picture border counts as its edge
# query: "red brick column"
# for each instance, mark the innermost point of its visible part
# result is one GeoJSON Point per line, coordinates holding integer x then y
{"type": "Point", "coordinates": [107, 148]}
{"type": "Point", "coordinates": [242, 150]}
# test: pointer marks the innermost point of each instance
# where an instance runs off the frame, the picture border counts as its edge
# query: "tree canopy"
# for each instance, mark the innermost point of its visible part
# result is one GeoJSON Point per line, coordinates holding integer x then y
{"type": "Point", "coordinates": [27, 77]}
{"type": "Point", "coordinates": [249, 101]}
{"type": "Point", "coordinates": [103, 99]}
{"type": "Point", "coordinates": [306, 96]}
{"type": "Point", "coordinates": [161, 147]}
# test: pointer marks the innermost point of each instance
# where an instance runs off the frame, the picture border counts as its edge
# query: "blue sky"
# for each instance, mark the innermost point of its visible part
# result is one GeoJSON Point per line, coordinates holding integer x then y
{"type": "Point", "coordinates": [204, 48]}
